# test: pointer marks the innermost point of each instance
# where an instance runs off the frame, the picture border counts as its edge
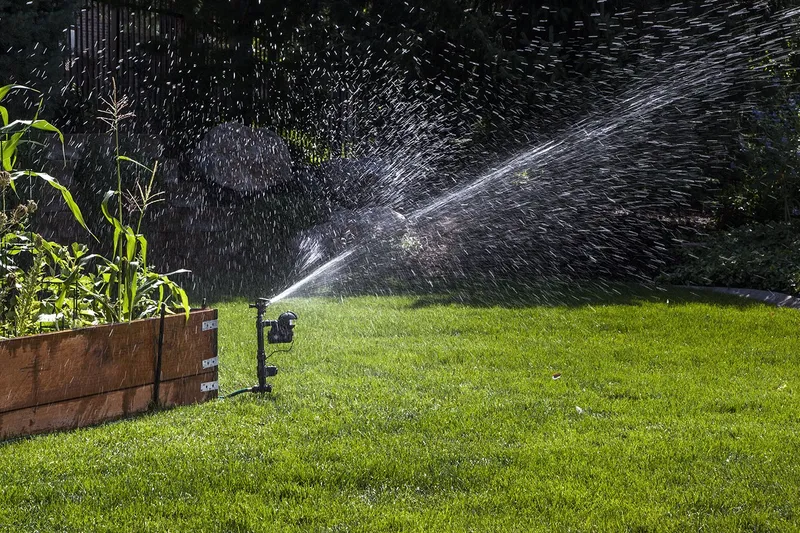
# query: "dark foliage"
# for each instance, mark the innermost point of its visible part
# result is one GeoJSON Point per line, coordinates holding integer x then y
{"type": "Point", "coordinates": [498, 74]}
{"type": "Point", "coordinates": [32, 38]}
{"type": "Point", "coordinates": [759, 256]}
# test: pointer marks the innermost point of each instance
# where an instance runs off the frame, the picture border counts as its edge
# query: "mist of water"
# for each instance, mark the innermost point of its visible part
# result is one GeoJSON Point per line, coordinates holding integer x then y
{"type": "Point", "coordinates": [599, 197]}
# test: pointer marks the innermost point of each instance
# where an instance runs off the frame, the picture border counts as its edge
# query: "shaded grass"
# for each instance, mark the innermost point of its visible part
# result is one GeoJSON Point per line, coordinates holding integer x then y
{"type": "Point", "coordinates": [673, 412]}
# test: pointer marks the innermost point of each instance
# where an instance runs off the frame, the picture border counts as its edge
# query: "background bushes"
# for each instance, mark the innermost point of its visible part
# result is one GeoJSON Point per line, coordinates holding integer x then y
{"type": "Point", "coordinates": [760, 256]}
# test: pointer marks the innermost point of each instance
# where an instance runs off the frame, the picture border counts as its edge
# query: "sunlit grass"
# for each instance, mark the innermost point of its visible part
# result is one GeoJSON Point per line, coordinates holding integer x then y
{"type": "Point", "coordinates": [419, 414]}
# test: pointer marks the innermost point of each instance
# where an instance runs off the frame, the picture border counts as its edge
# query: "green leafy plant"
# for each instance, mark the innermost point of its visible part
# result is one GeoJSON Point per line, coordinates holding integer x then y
{"type": "Point", "coordinates": [136, 286]}
{"type": "Point", "coordinates": [26, 307]}
{"type": "Point", "coordinates": [12, 136]}
{"type": "Point", "coordinates": [21, 263]}
{"type": "Point", "coordinates": [47, 286]}
{"type": "Point", "coordinates": [72, 288]}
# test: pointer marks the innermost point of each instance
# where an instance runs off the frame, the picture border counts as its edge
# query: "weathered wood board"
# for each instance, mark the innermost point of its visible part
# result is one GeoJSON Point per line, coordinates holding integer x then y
{"type": "Point", "coordinates": [91, 410]}
{"type": "Point", "coordinates": [81, 377]}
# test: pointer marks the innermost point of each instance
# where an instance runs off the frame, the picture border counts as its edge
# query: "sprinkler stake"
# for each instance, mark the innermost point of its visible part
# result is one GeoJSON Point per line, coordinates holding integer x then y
{"type": "Point", "coordinates": [281, 331]}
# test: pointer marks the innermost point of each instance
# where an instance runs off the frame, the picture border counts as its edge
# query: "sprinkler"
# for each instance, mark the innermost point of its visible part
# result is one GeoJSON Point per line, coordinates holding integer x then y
{"type": "Point", "coordinates": [281, 331]}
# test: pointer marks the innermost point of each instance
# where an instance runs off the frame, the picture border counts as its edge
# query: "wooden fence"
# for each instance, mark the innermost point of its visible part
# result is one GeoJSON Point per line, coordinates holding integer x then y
{"type": "Point", "coordinates": [179, 77]}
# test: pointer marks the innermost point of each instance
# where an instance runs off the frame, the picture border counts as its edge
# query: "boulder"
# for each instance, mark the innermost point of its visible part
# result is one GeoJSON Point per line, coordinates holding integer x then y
{"type": "Point", "coordinates": [243, 159]}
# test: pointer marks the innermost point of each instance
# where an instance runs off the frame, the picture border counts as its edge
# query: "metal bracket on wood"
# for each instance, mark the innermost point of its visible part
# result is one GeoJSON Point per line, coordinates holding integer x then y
{"type": "Point", "coordinates": [209, 386]}
{"type": "Point", "coordinates": [209, 363]}
{"type": "Point", "coordinates": [209, 325]}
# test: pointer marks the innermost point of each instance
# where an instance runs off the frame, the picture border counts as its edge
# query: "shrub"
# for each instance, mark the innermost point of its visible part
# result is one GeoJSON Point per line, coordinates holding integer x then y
{"type": "Point", "coordinates": [758, 256]}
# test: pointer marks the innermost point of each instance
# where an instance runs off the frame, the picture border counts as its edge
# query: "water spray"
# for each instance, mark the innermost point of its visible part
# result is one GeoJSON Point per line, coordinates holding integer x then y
{"type": "Point", "coordinates": [281, 331]}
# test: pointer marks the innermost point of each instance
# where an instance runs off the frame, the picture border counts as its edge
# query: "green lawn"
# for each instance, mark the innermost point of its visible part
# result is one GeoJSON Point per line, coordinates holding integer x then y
{"type": "Point", "coordinates": [673, 412]}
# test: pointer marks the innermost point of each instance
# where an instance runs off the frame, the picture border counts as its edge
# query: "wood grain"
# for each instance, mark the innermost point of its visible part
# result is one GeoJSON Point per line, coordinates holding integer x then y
{"type": "Point", "coordinates": [44, 369]}
{"type": "Point", "coordinates": [186, 345]}
{"type": "Point", "coordinates": [92, 410]}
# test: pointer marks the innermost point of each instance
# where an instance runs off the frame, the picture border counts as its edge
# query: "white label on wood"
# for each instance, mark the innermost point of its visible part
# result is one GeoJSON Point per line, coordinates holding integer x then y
{"type": "Point", "coordinates": [209, 325]}
{"type": "Point", "coordinates": [209, 386]}
{"type": "Point", "coordinates": [208, 363]}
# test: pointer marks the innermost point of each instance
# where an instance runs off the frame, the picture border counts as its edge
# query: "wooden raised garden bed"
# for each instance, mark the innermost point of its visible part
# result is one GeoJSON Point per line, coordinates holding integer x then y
{"type": "Point", "coordinates": [76, 378]}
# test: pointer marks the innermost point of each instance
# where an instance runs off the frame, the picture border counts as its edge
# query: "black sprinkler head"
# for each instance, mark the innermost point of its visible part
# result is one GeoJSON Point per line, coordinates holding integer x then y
{"type": "Point", "coordinates": [281, 331]}
{"type": "Point", "coordinates": [261, 304]}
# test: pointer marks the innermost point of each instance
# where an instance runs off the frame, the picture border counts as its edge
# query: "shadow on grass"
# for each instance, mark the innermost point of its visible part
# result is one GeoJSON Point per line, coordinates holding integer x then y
{"type": "Point", "coordinates": [491, 292]}
{"type": "Point", "coordinates": [576, 294]}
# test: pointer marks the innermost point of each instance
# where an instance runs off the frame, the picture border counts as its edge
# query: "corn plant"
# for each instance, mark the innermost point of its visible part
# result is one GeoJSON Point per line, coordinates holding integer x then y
{"type": "Point", "coordinates": [139, 291]}
{"type": "Point", "coordinates": [45, 285]}
{"type": "Point", "coordinates": [21, 288]}
{"type": "Point", "coordinates": [12, 136]}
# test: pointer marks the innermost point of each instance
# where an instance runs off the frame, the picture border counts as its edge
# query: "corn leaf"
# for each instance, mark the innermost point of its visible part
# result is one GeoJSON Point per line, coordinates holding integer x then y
{"type": "Point", "coordinates": [130, 244]}
{"type": "Point", "coordinates": [104, 207]}
{"type": "Point", "coordinates": [39, 124]}
{"type": "Point", "coordinates": [43, 125]}
{"type": "Point", "coordinates": [143, 250]}
{"type": "Point", "coordinates": [184, 301]}
{"type": "Point", "coordinates": [179, 271]}
{"type": "Point", "coordinates": [5, 89]}
{"type": "Point", "coordinates": [118, 230]}
{"type": "Point", "coordinates": [76, 211]}
{"type": "Point", "coordinates": [9, 150]}
{"type": "Point", "coordinates": [135, 162]}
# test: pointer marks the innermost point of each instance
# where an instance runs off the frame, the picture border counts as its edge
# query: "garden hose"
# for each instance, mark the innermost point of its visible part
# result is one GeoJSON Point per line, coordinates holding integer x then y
{"type": "Point", "coordinates": [236, 393]}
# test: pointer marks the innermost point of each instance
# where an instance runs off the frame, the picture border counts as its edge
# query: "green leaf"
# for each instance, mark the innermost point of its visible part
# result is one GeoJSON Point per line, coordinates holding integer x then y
{"type": "Point", "coordinates": [130, 244]}
{"type": "Point", "coordinates": [176, 290]}
{"type": "Point", "coordinates": [135, 162]}
{"type": "Point", "coordinates": [9, 150]}
{"type": "Point", "coordinates": [104, 206]}
{"type": "Point", "coordinates": [79, 250]}
{"type": "Point", "coordinates": [179, 271]}
{"type": "Point", "coordinates": [110, 313]}
{"type": "Point", "coordinates": [184, 301]}
{"type": "Point", "coordinates": [39, 124]}
{"type": "Point", "coordinates": [4, 115]}
{"type": "Point", "coordinates": [43, 125]}
{"type": "Point", "coordinates": [130, 290]}
{"type": "Point", "coordinates": [118, 229]}
{"type": "Point", "coordinates": [143, 250]}
{"type": "Point", "coordinates": [76, 211]}
{"type": "Point", "coordinates": [5, 89]}
{"type": "Point", "coordinates": [53, 251]}
{"type": "Point", "coordinates": [151, 282]}
{"type": "Point", "coordinates": [66, 284]}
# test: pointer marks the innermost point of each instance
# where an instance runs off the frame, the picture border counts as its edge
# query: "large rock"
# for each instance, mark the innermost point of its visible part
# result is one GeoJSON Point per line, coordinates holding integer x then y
{"type": "Point", "coordinates": [246, 160]}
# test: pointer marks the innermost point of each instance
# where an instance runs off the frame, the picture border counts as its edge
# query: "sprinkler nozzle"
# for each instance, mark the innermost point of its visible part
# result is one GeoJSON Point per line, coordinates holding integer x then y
{"type": "Point", "coordinates": [261, 304]}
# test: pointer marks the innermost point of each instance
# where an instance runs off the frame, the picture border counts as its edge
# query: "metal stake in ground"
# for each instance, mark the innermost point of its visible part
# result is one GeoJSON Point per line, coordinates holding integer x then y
{"type": "Point", "coordinates": [159, 354]}
{"type": "Point", "coordinates": [281, 332]}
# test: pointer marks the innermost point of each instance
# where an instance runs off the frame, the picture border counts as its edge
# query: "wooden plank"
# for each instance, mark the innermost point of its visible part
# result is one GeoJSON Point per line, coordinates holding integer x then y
{"type": "Point", "coordinates": [186, 345]}
{"type": "Point", "coordinates": [53, 367]}
{"type": "Point", "coordinates": [186, 390]}
{"type": "Point", "coordinates": [48, 368]}
{"type": "Point", "coordinates": [92, 410]}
